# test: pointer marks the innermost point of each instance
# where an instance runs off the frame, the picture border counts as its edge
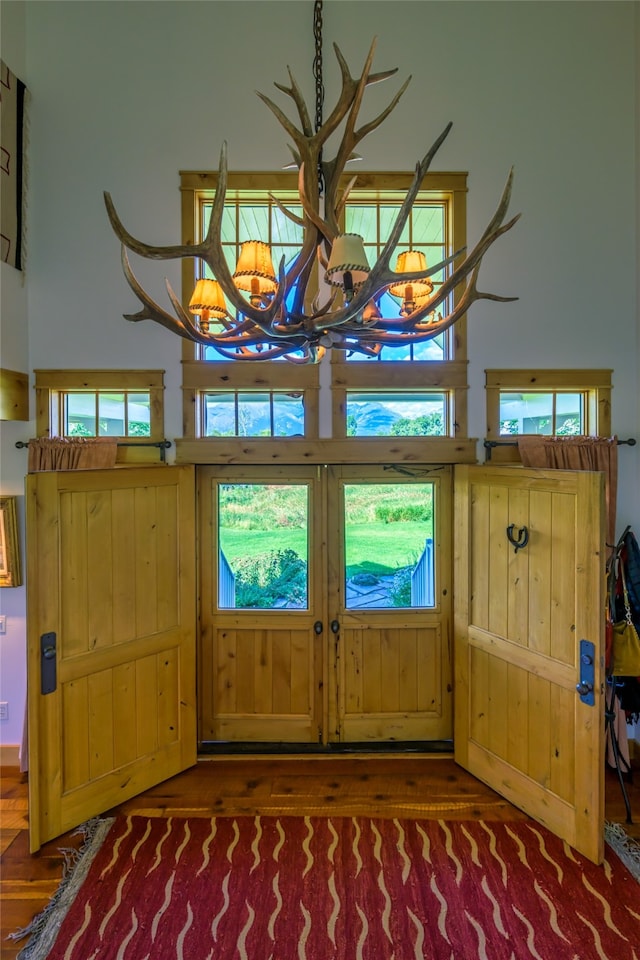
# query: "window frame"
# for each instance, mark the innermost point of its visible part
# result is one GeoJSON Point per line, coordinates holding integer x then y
{"type": "Point", "coordinates": [52, 386]}
{"type": "Point", "coordinates": [594, 384]}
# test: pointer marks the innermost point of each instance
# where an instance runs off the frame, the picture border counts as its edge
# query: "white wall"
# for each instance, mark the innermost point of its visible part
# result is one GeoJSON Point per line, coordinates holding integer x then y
{"type": "Point", "coordinates": [124, 95]}
{"type": "Point", "coordinates": [14, 355]}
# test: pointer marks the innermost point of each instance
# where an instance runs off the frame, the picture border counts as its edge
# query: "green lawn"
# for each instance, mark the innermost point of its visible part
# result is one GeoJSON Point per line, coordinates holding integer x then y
{"type": "Point", "coordinates": [371, 547]}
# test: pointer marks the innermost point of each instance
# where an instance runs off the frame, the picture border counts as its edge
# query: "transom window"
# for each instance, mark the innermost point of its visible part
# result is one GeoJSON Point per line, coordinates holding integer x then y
{"type": "Point", "coordinates": [545, 402]}
{"type": "Point", "coordinates": [127, 404]}
{"type": "Point", "coordinates": [102, 413]}
{"type": "Point", "coordinates": [252, 414]}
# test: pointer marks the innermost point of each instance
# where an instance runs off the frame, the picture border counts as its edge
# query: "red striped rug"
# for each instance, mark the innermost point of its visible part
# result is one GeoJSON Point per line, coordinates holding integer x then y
{"type": "Point", "coordinates": [314, 888]}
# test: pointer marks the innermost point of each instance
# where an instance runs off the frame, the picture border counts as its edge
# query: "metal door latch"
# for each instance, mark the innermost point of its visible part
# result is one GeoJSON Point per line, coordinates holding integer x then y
{"type": "Point", "coordinates": [587, 672]}
{"type": "Point", "coordinates": [48, 680]}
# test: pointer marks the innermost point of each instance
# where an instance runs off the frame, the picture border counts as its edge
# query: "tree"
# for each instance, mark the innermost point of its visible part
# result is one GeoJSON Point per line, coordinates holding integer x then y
{"type": "Point", "coordinates": [426, 425]}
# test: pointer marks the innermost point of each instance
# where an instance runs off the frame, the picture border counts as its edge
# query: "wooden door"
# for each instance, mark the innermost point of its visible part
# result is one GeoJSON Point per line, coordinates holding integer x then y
{"type": "Point", "coordinates": [520, 725]}
{"type": "Point", "coordinates": [262, 656]}
{"type": "Point", "coordinates": [389, 604]}
{"type": "Point", "coordinates": [111, 638]}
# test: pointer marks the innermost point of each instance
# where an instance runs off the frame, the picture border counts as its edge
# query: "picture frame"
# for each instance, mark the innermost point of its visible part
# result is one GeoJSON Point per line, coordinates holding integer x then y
{"type": "Point", "coordinates": [10, 566]}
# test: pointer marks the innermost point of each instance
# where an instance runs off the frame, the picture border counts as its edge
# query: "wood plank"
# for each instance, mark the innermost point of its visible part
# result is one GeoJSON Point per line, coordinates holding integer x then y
{"type": "Point", "coordinates": [539, 725]}
{"type": "Point", "coordinates": [498, 559]}
{"type": "Point", "coordinates": [376, 450]}
{"type": "Point", "coordinates": [479, 497]}
{"type": "Point", "coordinates": [146, 728]}
{"type": "Point", "coordinates": [167, 558]}
{"type": "Point", "coordinates": [146, 553]}
{"type": "Point", "coordinates": [539, 600]}
{"type": "Point", "coordinates": [75, 757]}
{"type": "Point", "coordinates": [123, 577]}
{"type": "Point", "coordinates": [518, 570]}
{"type": "Point", "coordinates": [14, 395]}
{"type": "Point", "coordinates": [101, 723]}
{"type": "Point", "coordinates": [124, 708]}
{"type": "Point", "coordinates": [74, 600]}
{"type": "Point", "coordinates": [563, 574]}
{"type": "Point", "coordinates": [99, 559]}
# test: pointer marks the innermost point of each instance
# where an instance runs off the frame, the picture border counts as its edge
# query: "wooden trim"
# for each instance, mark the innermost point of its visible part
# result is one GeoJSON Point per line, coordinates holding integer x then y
{"type": "Point", "coordinates": [99, 379]}
{"type": "Point", "coordinates": [376, 181]}
{"type": "Point", "coordinates": [290, 450]}
{"type": "Point", "coordinates": [418, 375]}
{"type": "Point", "coordinates": [548, 379]}
{"type": "Point", "coordinates": [236, 375]}
{"type": "Point", "coordinates": [9, 754]}
{"type": "Point", "coordinates": [14, 395]}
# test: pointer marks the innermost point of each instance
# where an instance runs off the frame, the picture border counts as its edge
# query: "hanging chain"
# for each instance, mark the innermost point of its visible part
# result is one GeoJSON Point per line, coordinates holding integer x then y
{"type": "Point", "coordinates": [317, 73]}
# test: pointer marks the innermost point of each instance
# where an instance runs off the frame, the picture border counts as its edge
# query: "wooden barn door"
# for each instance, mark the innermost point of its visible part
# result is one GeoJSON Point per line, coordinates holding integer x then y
{"type": "Point", "coordinates": [111, 638]}
{"type": "Point", "coordinates": [520, 616]}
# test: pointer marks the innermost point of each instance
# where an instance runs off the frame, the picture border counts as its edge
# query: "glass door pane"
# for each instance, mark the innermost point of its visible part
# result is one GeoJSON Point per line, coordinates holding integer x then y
{"type": "Point", "coordinates": [388, 545]}
{"type": "Point", "coordinates": [263, 548]}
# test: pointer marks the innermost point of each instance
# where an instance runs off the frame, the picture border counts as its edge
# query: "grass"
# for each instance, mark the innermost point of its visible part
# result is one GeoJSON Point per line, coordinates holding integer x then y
{"type": "Point", "coordinates": [398, 544]}
{"type": "Point", "coordinates": [260, 518]}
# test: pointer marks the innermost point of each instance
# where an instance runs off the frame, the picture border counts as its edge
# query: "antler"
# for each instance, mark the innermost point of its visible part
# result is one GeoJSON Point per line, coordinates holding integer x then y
{"type": "Point", "coordinates": [282, 321]}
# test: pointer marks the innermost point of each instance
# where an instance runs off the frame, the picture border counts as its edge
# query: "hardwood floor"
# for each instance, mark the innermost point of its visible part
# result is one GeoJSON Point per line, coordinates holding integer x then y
{"type": "Point", "coordinates": [368, 785]}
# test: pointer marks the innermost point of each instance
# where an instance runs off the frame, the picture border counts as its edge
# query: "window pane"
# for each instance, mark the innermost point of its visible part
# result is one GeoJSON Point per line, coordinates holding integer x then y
{"type": "Point", "coordinates": [219, 410]}
{"type": "Point", "coordinates": [395, 415]}
{"type": "Point", "coordinates": [388, 545]}
{"type": "Point", "coordinates": [253, 222]}
{"type": "Point", "coordinates": [428, 226]}
{"type": "Point", "coordinates": [254, 415]}
{"type": "Point", "coordinates": [80, 415]}
{"type": "Point", "coordinates": [284, 230]}
{"type": "Point", "coordinates": [569, 414]}
{"type": "Point", "coordinates": [138, 415]}
{"type": "Point", "coordinates": [288, 415]}
{"type": "Point", "coordinates": [111, 415]}
{"type": "Point", "coordinates": [534, 413]}
{"type": "Point", "coordinates": [263, 546]}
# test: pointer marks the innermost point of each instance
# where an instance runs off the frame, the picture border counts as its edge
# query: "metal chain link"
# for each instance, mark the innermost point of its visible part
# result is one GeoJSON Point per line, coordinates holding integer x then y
{"type": "Point", "coordinates": [317, 73]}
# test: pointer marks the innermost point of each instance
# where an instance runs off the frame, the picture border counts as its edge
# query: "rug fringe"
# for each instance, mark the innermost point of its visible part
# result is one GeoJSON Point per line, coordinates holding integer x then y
{"type": "Point", "coordinates": [44, 927]}
{"type": "Point", "coordinates": [627, 849]}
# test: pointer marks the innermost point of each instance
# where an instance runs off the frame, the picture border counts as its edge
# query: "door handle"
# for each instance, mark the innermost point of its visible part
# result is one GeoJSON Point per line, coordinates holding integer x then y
{"type": "Point", "coordinates": [586, 685]}
{"type": "Point", "coordinates": [318, 627]}
{"type": "Point", "coordinates": [48, 680]}
{"type": "Point", "coordinates": [335, 626]}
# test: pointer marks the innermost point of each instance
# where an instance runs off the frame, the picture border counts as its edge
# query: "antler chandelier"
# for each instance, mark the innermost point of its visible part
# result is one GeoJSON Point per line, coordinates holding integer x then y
{"type": "Point", "coordinates": [269, 315]}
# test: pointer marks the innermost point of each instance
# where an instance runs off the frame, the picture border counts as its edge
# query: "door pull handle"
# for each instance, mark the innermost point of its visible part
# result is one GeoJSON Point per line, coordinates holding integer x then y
{"type": "Point", "coordinates": [318, 627]}
{"type": "Point", "coordinates": [48, 679]}
{"type": "Point", "coordinates": [335, 626]}
{"type": "Point", "coordinates": [585, 687]}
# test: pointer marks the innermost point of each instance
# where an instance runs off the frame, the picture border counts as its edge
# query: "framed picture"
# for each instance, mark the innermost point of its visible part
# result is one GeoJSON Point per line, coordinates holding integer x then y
{"type": "Point", "coordinates": [10, 571]}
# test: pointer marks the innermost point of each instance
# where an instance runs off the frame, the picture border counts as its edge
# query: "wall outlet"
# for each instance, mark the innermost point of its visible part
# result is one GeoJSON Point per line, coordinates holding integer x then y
{"type": "Point", "coordinates": [3, 623]}
{"type": "Point", "coordinates": [4, 710]}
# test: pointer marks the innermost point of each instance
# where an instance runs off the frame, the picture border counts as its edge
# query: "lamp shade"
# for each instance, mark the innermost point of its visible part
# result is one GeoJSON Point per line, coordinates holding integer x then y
{"type": "Point", "coordinates": [254, 269]}
{"type": "Point", "coordinates": [347, 256]}
{"type": "Point", "coordinates": [208, 297]}
{"type": "Point", "coordinates": [410, 261]}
